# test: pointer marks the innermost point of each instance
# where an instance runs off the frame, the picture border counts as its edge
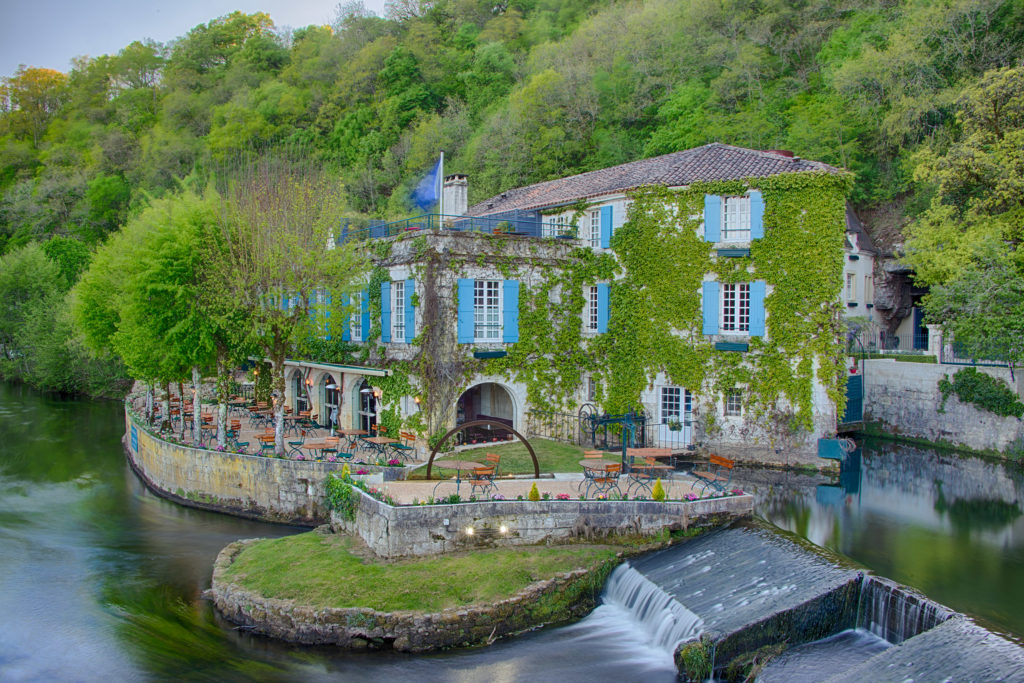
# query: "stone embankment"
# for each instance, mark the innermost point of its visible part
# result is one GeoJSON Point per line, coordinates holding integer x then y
{"type": "Point", "coordinates": [567, 596]}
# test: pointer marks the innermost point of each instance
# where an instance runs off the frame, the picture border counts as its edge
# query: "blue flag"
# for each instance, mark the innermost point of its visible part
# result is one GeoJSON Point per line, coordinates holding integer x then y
{"type": "Point", "coordinates": [427, 193]}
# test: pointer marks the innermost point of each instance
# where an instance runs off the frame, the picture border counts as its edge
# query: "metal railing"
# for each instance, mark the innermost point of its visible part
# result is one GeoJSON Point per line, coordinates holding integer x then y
{"type": "Point", "coordinates": [954, 353]}
{"type": "Point", "coordinates": [880, 342]}
{"type": "Point", "coordinates": [569, 428]}
{"type": "Point", "coordinates": [514, 223]}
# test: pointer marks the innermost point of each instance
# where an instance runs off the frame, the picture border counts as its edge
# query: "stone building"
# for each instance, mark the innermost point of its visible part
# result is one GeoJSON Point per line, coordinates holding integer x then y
{"type": "Point", "coordinates": [702, 289]}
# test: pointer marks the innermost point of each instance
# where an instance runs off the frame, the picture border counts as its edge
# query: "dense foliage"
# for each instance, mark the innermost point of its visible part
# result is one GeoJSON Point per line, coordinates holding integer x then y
{"type": "Point", "coordinates": [514, 92]}
{"type": "Point", "coordinates": [983, 390]}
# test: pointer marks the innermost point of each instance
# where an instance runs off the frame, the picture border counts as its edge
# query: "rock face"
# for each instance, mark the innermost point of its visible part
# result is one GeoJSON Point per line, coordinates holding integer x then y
{"type": "Point", "coordinates": [567, 596]}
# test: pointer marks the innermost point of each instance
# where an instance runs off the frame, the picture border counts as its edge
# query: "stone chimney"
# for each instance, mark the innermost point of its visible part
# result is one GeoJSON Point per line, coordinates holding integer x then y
{"type": "Point", "coordinates": [456, 194]}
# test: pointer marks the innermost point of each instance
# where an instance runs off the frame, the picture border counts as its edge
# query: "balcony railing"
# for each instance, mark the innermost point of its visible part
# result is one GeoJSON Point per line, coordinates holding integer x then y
{"type": "Point", "coordinates": [512, 223]}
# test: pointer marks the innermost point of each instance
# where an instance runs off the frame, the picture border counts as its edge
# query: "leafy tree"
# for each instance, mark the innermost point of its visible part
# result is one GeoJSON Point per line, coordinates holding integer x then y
{"type": "Point", "coordinates": [35, 96]}
{"type": "Point", "coordinates": [279, 258]}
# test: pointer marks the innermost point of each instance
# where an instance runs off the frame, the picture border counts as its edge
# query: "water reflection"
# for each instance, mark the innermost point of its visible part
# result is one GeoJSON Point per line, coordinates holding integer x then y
{"type": "Point", "coordinates": [945, 524]}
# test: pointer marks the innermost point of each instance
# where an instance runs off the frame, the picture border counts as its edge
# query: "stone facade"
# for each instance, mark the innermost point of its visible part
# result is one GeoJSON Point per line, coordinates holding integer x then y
{"type": "Point", "coordinates": [574, 594]}
{"type": "Point", "coordinates": [904, 398]}
{"type": "Point", "coordinates": [429, 529]}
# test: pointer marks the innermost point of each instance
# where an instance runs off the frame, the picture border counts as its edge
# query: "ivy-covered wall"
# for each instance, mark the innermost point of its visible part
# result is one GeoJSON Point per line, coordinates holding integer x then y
{"type": "Point", "coordinates": [656, 265]}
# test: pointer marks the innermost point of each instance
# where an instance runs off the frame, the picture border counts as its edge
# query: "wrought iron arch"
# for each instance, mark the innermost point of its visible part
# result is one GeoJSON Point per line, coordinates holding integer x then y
{"type": "Point", "coordinates": [480, 423]}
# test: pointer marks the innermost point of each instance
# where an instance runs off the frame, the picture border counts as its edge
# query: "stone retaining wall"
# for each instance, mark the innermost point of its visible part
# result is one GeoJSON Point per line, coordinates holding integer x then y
{"type": "Point", "coordinates": [571, 595]}
{"type": "Point", "coordinates": [269, 489]}
{"type": "Point", "coordinates": [410, 530]}
{"type": "Point", "coordinates": [904, 399]}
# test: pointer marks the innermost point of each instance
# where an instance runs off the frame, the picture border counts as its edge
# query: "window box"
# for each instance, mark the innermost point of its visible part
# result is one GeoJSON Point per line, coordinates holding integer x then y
{"type": "Point", "coordinates": [736, 252]}
{"type": "Point", "coordinates": [490, 354]}
{"type": "Point", "coordinates": [732, 346]}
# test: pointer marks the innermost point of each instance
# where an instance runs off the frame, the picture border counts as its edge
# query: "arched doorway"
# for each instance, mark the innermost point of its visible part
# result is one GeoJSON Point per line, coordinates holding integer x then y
{"type": "Point", "coordinates": [330, 400]}
{"type": "Point", "coordinates": [300, 395]}
{"type": "Point", "coordinates": [366, 407]}
{"type": "Point", "coordinates": [487, 401]}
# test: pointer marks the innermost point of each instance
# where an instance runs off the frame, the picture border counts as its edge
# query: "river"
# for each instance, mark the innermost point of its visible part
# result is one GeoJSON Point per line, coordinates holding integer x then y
{"type": "Point", "coordinates": [101, 579]}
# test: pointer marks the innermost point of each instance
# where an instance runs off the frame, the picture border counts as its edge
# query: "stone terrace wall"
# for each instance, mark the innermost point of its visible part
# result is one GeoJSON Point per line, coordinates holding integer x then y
{"type": "Point", "coordinates": [430, 529]}
{"type": "Point", "coordinates": [904, 398]}
{"type": "Point", "coordinates": [270, 489]}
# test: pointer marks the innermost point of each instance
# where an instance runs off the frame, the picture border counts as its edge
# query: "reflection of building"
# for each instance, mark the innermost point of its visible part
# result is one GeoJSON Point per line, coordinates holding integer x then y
{"type": "Point", "coordinates": [519, 304]}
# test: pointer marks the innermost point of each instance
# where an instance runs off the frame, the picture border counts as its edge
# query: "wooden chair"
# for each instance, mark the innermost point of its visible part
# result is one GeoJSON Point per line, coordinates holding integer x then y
{"type": "Point", "coordinates": [605, 480]}
{"type": "Point", "coordinates": [483, 479]}
{"type": "Point", "coordinates": [405, 450]}
{"type": "Point", "coordinates": [494, 460]}
{"type": "Point", "coordinates": [717, 475]}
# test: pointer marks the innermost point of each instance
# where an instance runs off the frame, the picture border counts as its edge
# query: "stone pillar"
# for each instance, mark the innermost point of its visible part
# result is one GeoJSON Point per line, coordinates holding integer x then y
{"type": "Point", "coordinates": [456, 195]}
{"type": "Point", "coordinates": [935, 341]}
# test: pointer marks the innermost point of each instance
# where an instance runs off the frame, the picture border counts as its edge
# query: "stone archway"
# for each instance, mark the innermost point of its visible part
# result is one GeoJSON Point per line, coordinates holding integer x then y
{"type": "Point", "coordinates": [481, 423]}
{"type": "Point", "coordinates": [486, 401]}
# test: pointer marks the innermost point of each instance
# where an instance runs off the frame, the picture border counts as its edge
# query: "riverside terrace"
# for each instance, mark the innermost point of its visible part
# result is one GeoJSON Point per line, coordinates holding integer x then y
{"type": "Point", "coordinates": [516, 222]}
{"type": "Point", "coordinates": [296, 491]}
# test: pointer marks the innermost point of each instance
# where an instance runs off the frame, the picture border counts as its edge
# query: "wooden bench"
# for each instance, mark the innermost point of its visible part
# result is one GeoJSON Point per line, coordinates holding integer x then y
{"type": "Point", "coordinates": [717, 475]}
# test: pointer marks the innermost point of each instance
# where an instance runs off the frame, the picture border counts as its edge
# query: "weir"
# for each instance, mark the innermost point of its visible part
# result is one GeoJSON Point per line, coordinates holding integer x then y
{"type": "Point", "coordinates": [748, 586]}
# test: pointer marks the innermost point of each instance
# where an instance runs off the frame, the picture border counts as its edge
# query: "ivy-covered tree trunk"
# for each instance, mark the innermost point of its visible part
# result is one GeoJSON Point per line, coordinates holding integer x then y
{"type": "Point", "coordinates": [278, 395]}
{"type": "Point", "coordinates": [181, 408]}
{"type": "Point", "coordinates": [222, 401]}
{"type": "Point", "coordinates": [197, 405]}
{"type": "Point", "coordinates": [166, 424]}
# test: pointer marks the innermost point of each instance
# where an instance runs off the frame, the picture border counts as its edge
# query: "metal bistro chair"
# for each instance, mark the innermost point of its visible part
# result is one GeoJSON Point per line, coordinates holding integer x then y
{"type": "Point", "coordinates": [483, 479]}
{"type": "Point", "coordinates": [294, 447]}
{"type": "Point", "coordinates": [604, 481]}
{"type": "Point", "coordinates": [404, 450]}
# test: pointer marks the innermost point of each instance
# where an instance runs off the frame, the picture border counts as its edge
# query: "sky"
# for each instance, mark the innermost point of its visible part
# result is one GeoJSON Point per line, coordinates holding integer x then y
{"type": "Point", "coordinates": [49, 33]}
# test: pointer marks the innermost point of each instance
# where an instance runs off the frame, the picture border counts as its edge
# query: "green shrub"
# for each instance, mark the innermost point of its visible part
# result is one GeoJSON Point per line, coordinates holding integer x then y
{"type": "Point", "coordinates": [534, 493]}
{"type": "Point", "coordinates": [658, 492]}
{"type": "Point", "coordinates": [695, 660]}
{"type": "Point", "coordinates": [983, 390]}
{"type": "Point", "coordinates": [341, 498]}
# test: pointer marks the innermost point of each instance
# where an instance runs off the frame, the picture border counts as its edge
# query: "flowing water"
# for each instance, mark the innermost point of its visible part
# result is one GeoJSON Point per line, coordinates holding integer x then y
{"type": "Point", "coordinates": [100, 579]}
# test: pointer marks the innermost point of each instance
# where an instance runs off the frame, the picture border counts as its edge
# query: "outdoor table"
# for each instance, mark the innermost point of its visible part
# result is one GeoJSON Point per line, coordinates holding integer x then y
{"type": "Point", "coordinates": [380, 443]}
{"type": "Point", "coordinates": [291, 423]}
{"type": "Point", "coordinates": [646, 472]}
{"type": "Point", "coordinates": [459, 466]}
{"type": "Point", "coordinates": [352, 435]}
{"type": "Point", "coordinates": [315, 446]}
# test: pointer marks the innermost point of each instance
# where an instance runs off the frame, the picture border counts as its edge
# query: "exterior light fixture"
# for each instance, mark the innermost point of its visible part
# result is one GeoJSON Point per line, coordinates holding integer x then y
{"type": "Point", "coordinates": [309, 382]}
{"type": "Point", "coordinates": [503, 529]}
{"type": "Point", "coordinates": [377, 393]}
{"type": "Point", "coordinates": [469, 531]}
{"type": "Point", "coordinates": [416, 400]}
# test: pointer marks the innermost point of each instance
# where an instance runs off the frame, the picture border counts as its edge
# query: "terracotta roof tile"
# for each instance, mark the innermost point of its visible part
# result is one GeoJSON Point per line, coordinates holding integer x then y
{"type": "Point", "coordinates": [714, 161]}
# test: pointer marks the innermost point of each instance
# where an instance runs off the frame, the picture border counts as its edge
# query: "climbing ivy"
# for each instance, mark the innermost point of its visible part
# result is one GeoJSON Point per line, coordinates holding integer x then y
{"type": "Point", "coordinates": [656, 265]}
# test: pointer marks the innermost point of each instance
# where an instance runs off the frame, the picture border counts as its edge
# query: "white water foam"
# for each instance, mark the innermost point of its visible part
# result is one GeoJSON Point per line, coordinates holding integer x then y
{"type": "Point", "coordinates": [665, 621]}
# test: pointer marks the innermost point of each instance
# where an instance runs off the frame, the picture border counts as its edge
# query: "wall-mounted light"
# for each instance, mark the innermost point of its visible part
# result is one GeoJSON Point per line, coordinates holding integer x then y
{"type": "Point", "coordinates": [309, 382]}
{"type": "Point", "coordinates": [503, 529]}
{"type": "Point", "coordinates": [469, 531]}
{"type": "Point", "coordinates": [416, 400]}
{"type": "Point", "coordinates": [377, 393]}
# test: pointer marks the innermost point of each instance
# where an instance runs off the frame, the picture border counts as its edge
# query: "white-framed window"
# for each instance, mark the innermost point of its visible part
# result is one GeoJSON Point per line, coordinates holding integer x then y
{"type": "Point", "coordinates": [398, 311]}
{"type": "Point", "coordinates": [594, 233]}
{"type": "Point", "coordinates": [591, 389]}
{"type": "Point", "coordinates": [591, 318]}
{"type": "Point", "coordinates": [734, 403]}
{"type": "Point", "coordinates": [735, 308]}
{"type": "Point", "coordinates": [487, 310]}
{"type": "Point", "coordinates": [356, 321]}
{"type": "Point", "coordinates": [736, 219]}
{"type": "Point", "coordinates": [676, 405]}
{"type": "Point", "coordinates": [851, 286]}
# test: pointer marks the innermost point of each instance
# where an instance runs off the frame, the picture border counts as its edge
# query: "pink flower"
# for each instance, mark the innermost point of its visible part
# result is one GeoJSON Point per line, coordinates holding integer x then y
{"type": "Point", "coordinates": [691, 496]}
{"type": "Point", "coordinates": [562, 496]}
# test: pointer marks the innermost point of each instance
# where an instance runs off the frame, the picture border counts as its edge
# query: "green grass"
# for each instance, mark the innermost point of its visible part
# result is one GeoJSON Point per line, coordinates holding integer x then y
{"type": "Point", "coordinates": [515, 459]}
{"type": "Point", "coordinates": [320, 570]}
{"type": "Point", "coordinates": [905, 357]}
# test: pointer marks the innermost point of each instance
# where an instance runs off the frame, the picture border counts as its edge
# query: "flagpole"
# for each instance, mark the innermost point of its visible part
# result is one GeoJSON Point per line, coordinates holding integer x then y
{"type": "Point", "coordinates": [440, 193]}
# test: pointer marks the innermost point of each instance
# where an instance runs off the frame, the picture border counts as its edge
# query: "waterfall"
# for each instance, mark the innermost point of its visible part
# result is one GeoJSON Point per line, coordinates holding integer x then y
{"type": "Point", "coordinates": [893, 612]}
{"type": "Point", "coordinates": [666, 621]}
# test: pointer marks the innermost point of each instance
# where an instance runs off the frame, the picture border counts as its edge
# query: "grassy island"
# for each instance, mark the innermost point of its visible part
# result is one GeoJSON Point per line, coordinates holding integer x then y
{"type": "Point", "coordinates": [332, 570]}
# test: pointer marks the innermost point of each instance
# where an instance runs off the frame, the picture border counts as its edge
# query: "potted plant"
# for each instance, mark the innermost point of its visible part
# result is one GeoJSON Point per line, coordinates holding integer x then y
{"type": "Point", "coordinates": [675, 425]}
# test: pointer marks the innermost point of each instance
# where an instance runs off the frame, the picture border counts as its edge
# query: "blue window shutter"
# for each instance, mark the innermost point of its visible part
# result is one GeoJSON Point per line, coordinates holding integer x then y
{"type": "Point", "coordinates": [385, 311]}
{"type": "Point", "coordinates": [346, 324]}
{"type": "Point", "coordinates": [465, 312]}
{"type": "Point", "coordinates": [606, 227]}
{"type": "Point", "coordinates": [603, 307]}
{"type": "Point", "coordinates": [410, 311]}
{"type": "Point", "coordinates": [364, 313]}
{"type": "Point", "coordinates": [710, 307]}
{"type": "Point", "coordinates": [284, 302]}
{"type": "Point", "coordinates": [510, 312]}
{"type": "Point", "coordinates": [712, 218]}
{"type": "Point", "coordinates": [756, 215]}
{"type": "Point", "coordinates": [757, 291]}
